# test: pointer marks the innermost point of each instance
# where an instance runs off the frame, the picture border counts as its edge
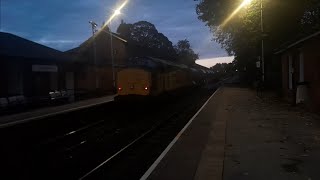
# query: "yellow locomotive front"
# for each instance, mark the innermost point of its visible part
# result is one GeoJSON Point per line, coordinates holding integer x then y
{"type": "Point", "coordinates": [134, 81]}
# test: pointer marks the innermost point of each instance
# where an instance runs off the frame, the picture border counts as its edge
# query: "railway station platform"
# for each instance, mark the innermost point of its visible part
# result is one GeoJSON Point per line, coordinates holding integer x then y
{"type": "Point", "coordinates": [9, 120]}
{"type": "Point", "coordinates": [238, 136]}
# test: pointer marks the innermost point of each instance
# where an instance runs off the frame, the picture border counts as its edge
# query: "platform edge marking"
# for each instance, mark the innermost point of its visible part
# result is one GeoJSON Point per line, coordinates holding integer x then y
{"type": "Point", "coordinates": [163, 154]}
{"type": "Point", "coordinates": [4, 125]}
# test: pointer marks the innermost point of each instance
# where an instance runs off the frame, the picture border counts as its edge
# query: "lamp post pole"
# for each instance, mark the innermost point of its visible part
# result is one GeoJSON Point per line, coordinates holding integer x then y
{"type": "Point", "coordinates": [112, 60]}
{"type": "Point", "coordinates": [116, 12]}
{"type": "Point", "coordinates": [94, 26]}
{"type": "Point", "coordinates": [262, 42]}
{"type": "Point", "coordinates": [112, 57]}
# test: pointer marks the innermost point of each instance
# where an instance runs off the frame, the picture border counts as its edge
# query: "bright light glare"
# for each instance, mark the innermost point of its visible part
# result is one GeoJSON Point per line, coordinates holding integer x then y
{"type": "Point", "coordinates": [116, 12]}
{"type": "Point", "coordinates": [243, 4]}
{"type": "Point", "coordinates": [246, 2]}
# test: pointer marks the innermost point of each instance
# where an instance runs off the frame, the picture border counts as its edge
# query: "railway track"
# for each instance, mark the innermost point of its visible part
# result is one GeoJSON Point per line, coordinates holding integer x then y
{"type": "Point", "coordinates": [86, 149]}
{"type": "Point", "coordinates": [132, 160]}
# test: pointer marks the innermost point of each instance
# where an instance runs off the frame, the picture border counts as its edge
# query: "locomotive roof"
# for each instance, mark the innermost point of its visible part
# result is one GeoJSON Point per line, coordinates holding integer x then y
{"type": "Point", "coordinates": [169, 63]}
{"type": "Point", "coordinates": [154, 63]}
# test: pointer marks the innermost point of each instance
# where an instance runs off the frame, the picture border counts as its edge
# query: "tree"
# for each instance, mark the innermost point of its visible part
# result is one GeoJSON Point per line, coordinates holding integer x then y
{"type": "Point", "coordinates": [184, 52]}
{"type": "Point", "coordinates": [124, 29]}
{"type": "Point", "coordinates": [222, 70]}
{"type": "Point", "coordinates": [144, 34]}
{"type": "Point", "coordinates": [284, 21]}
{"type": "Point", "coordinates": [311, 16]}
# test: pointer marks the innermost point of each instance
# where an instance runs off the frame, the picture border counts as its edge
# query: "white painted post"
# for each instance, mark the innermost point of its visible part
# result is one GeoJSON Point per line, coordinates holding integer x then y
{"type": "Point", "coordinates": [302, 92]}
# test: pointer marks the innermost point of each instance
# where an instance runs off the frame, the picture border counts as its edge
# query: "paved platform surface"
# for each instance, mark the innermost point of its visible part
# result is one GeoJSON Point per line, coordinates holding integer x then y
{"type": "Point", "coordinates": [51, 111]}
{"type": "Point", "coordinates": [239, 136]}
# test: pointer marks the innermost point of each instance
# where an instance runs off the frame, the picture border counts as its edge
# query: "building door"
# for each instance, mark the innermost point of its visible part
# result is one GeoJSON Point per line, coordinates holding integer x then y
{"type": "Point", "coordinates": [70, 85]}
{"type": "Point", "coordinates": [15, 80]}
{"type": "Point", "coordinates": [40, 84]}
{"type": "Point", "coordinates": [3, 79]}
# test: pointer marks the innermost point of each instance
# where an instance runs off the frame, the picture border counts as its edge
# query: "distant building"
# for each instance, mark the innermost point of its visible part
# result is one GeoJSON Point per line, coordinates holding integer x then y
{"type": "Point", "coordinates": [301, 71]}
{"type": "Point", "coordinates": [93, 62]}
{"type": "Point", "coordinates": [31, 69]}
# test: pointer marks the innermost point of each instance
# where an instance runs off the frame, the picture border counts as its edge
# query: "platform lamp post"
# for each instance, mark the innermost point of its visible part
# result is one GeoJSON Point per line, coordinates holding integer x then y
{"type": "Point", "coordinates": [112, 59]}
{"type": "Point", "coordinates": [94, 29]}
{"type": "Point", "coordinates": [247, 2]}
{"type": "Point", "coordinates": [112, 56]}
{"type": "Point", "coordinates": [262, 41]}
{"type": "Point", "coordinates": [115, 13]}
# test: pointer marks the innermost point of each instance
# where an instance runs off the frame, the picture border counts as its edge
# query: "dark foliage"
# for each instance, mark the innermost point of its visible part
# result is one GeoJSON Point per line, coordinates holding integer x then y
{"type": "Point", "coordinates": [284, 21]}
{"type": "Point", "coordinates": [185, 54]}
{"type": "Point", "coordinates": [146, 40]}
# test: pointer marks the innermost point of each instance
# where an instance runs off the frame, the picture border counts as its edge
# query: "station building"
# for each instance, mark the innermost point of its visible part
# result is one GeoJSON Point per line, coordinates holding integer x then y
{"type": "Point", "coordinates": [301, 71]}
{"type": "Point", "coordinates": [97, 61]}
{"type": "Point", "coordinates": [32, 70]}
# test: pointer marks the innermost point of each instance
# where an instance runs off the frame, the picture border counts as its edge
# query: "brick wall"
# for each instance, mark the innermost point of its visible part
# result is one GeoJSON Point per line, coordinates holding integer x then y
{"type": "Point", "coordinates": [312, 70]}
{"type": "Point", "coordinates": [103, 50]}
{"type": "Point", "coordinates": [86, 75]}
{"type": "Point", "coordinates": [311, 54]}
{"type": "Point", "coordinates": [86, 80]}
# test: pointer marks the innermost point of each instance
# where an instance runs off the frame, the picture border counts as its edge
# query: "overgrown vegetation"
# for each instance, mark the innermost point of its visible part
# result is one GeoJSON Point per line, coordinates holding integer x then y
{"type": "Point", "coordinates": [284, 21]}
{"type": "Point", "coordinates": [146, 40]}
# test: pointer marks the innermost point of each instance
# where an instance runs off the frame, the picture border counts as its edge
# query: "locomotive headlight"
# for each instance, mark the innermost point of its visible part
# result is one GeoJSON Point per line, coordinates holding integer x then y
{"type": "Point", "coordinates": [146, 88]}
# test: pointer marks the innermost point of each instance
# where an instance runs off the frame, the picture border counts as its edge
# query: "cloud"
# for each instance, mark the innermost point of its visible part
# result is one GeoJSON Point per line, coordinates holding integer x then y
{"type": "Point", "coordinates": [59, 44]}
{"type": "Point", "coordinates": [213, 61]}
{"type": "Point", "coordinates": [44, 41]}
{"type": "Point", "coordinates": [64, 24]}
{"type": "Point", "coordinates": [177, 20]}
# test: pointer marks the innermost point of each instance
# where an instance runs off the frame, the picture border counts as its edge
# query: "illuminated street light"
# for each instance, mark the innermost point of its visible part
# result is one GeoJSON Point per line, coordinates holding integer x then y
{"type": "Point", "coordinates": [262, 41]}
{"type": "Point", "coordinates": [94, 26]}
{"type": "Point", "coordinates": [115, 13]}
{"type": "Point", "coordinates": [94, 29]}
{"type": "Point", "coordinates": [242, 5]}
{"type": "Point", "coordinates": [246, 2]}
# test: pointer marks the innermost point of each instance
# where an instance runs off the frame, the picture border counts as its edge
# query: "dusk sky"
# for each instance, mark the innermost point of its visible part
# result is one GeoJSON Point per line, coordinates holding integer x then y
{"type": "Point", "coordinates": [63, 24]}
